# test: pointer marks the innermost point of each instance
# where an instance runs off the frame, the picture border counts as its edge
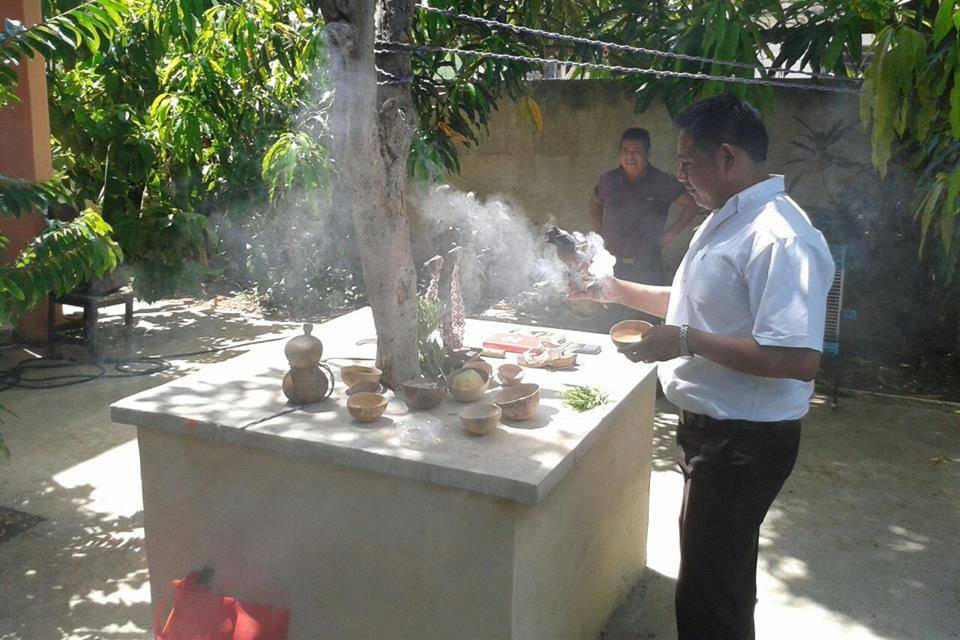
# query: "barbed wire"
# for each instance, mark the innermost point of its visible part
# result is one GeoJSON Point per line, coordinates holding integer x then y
{"type": "Point", "coordinates": [392, 79]}
{"type": "Point", "coordinates": [450, 13]}
{"type": "Point", "coordinates": [660, 73]}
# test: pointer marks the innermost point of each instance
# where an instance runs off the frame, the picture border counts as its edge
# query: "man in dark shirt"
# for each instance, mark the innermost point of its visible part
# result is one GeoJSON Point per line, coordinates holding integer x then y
{"type": "Point", "coordinates": [630, 206]}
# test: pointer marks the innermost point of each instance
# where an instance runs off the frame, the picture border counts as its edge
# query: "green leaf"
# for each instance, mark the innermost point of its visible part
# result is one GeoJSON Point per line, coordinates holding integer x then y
{"type": "Point", "coordinates": [954, 116]}
{"type": "Point", "coordinates": [953, 189]}
{"type": "Point", "coordinates": [943, 23]}
{"type": "Point", "coordinates": [947, 220]}
{"type": "Point", "coordinates": [928, 208]}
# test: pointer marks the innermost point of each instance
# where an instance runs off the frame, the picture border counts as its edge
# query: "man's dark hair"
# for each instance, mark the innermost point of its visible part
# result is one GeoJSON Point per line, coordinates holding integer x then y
{"type": "Point", "coordinates": [725, 119]}
{"type": "Point", "coordinates": [637, 135]}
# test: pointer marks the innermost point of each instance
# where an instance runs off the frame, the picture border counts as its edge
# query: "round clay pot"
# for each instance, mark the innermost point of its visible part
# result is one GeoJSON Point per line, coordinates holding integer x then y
{"type": "Point", "coordinates": [304, 351]}
{"type": "Point", "coordinates": [421, 394]}
{"type": "Point", "coordinates": [366, 407]}
{"type": "Point", "coordinates": [472, 393]}
{"type": "Point", "coordinates": [518, 402]}
{"type": "Point", "coordinates": [352, 374]}
{"type": "Point", "coordinates": [303, 386]}
{"type": "Point", "coordinates": [480, 419]}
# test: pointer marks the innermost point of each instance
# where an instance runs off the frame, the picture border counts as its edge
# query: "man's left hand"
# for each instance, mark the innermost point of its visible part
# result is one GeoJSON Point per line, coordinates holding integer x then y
{"type": "Point", "coordinates": [661, 343]}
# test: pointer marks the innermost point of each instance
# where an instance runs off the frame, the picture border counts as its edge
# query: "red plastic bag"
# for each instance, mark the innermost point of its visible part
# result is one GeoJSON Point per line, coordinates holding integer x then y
{"type": "Point", "coordinates": [198, 614]}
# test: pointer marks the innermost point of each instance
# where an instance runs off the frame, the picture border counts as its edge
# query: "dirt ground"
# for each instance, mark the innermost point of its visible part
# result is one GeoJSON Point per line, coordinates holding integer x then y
{"type": "Point", "coordinates": [861, 544]}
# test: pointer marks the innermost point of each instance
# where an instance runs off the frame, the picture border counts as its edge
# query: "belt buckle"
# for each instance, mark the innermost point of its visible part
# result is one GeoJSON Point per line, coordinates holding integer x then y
{"type": "Point", "coordinates": [626, 260]}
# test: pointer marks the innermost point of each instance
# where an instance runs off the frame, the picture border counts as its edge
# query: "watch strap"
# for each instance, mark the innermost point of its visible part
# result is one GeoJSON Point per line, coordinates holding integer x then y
{"type": "Point", "coordinates": [682, 339]}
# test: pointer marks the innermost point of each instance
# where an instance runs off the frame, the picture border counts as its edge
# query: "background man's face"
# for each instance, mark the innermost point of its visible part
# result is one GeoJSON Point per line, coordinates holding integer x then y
{"type": "Point", "coordinates": [633, 156]}
{"type": "Point", "coordinates": [699, 173]}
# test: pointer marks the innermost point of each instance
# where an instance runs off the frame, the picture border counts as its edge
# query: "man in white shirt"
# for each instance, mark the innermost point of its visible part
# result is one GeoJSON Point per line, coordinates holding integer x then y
{"type": "Point", "coordinates": [738, 352]}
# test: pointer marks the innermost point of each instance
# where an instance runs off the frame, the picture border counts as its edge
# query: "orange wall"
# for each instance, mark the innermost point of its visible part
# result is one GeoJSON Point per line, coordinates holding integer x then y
{"type": "Point", "coordinates": [25, 150]}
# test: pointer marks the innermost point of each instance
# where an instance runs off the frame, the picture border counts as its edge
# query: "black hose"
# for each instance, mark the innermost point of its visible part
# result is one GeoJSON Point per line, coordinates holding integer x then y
{"type": "Point", "coordinates": [19, 376]}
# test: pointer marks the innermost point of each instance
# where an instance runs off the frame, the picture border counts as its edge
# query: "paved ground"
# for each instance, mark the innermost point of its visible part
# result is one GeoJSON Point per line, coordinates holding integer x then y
{"type": "Point", "coordinates": [862, 543]}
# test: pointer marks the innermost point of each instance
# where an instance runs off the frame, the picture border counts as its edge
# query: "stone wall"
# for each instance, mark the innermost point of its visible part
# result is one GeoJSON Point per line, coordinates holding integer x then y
{"type": "Point", "coordinates": [553, 172]}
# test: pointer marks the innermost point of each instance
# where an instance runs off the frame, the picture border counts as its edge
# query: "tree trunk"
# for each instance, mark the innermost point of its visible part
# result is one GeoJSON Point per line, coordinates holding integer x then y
{"type": "Point", "coordinates": [372, 127]}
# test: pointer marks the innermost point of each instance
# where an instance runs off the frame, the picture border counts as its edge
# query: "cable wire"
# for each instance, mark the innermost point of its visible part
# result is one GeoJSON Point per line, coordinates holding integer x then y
{"type": "Point", "coordinates": [660, 73]}
{"type": "Point", "coordinates": [20, 377]}
{"type": "Point", "coordinates": [450, 13]}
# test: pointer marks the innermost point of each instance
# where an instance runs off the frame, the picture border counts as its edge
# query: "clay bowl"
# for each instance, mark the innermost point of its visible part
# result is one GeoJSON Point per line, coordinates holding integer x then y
{"type": "Point", "coordinates": [629, 332]}
{"type": "Point", "coordinates": [510, 374]}
{"type": "Point", "coordinates": [366, 387]}
{"type": "Point", "coordinates": [366, 407]}
{"type": "Point", "coordinates": [518, 402]}
{"type": "Point", "coordinates": [422, 393]}
{"type": "Point", "coordinates": [354, 373]}
{"type": "Point", "coordinates": [480, 365]}
{"type": "Point", "coordinates": [468, 394]}
{"type": "Point", "coordinates": [480, 419]}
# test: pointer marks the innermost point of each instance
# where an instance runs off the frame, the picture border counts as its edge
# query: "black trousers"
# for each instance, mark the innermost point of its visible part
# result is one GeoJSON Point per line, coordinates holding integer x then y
{"type": "Point", "coordinates": [732, 472]}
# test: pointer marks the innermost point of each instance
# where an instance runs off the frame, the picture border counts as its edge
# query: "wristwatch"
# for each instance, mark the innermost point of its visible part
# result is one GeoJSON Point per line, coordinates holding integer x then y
{"type": "Point", "coordinates": [682, 339]}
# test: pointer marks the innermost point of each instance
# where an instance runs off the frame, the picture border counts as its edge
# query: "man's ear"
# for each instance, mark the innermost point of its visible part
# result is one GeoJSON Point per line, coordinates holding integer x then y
{"type": "Point", "coordinates": [726, 156]}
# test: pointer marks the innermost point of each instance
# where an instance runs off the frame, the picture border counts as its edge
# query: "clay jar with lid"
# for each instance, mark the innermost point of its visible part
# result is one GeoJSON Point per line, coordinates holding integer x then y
{"type": "Point", "coordinates": [306, 382]}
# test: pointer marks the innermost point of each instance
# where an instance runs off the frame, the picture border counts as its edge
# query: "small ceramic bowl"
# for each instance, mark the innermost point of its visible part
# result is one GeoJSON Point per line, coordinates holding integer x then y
{"type": "Point", "coordinates": [366, 387]}
{"type": "Point", "coordinates": [518, 402]}
{"type": "Point", "coordinates": [509, 374]}
{"type": "Point", "coordinates": [366, 407]}
{"type": "Point", "coordinates": [422, 393]}
{"type": "Point", "coordinates": [480, 365]}
{"type": "Point", "coordinates": [480, 419]}
{"type": "Point", "coordinates": [468, 393]}
{"type": "Point", "coordinates": [629, 332]}
{"type": "Point", "coordinates": [353, 374]}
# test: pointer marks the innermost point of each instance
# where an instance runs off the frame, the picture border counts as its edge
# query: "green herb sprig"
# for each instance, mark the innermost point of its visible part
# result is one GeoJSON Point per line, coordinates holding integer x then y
{"type": "Point", "coordinates": [584, 398]}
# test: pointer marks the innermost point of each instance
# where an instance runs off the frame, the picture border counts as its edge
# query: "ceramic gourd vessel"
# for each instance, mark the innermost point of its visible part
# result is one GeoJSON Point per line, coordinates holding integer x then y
{"type": "Point", "coordinates": [307, 381]}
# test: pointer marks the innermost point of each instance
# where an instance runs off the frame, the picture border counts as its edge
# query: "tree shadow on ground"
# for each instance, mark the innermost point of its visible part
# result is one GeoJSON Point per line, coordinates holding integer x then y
{"type": "Point", "coordinates": [862, 537]}
{"type": "Point", "coordinates": [79, 577]}
{"type": "Point", "coordinates": [866, 526]}
{"type": "Point", "coordinates": [82, 573]}
{"type": "Point", "coordinates": [647, 612]}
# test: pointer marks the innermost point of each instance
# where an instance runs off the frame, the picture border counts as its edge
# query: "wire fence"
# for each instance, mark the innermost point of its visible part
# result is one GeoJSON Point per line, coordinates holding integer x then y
{"type": "Point", "coordinates": [388, 47]}
{"type": "Point", "coordinates": [615, 46]}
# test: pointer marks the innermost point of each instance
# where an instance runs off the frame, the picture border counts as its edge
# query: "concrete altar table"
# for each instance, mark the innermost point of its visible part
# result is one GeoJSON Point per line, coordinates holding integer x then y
{"type": "Point", "coordinates": [408, 528]}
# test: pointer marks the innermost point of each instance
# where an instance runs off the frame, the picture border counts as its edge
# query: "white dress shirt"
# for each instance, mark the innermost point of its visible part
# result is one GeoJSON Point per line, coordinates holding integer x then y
{"type": "Point", "coordinates": [756, 267]}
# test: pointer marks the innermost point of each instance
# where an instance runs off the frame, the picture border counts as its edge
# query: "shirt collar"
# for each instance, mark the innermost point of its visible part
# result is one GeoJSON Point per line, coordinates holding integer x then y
{"type": "Point", "coordinates": [742, 201]}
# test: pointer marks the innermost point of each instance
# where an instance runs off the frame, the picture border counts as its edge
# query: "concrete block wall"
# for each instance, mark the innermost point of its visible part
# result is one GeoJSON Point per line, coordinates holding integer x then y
{"type": "Point", "coordinates": [552, 172]}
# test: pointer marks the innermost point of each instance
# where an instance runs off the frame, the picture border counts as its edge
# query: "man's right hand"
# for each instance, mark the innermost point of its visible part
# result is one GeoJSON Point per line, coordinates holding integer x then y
{"type": "Point", "coordinates": [604, 291]}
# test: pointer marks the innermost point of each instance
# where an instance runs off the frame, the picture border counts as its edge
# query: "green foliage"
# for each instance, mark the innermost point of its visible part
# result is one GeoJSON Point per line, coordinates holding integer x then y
{"type": "Point", "coordinates": [455, 96]}
{"type": "Point", "coordinates": [66, 255]}
{"type": "Point", "coordinates": [429, 344]}
{"type": "Point", "coordinates": [295, 161]}
{"type": "Point", "coordinates": [912, 107]}
{"type": "Point", "coordinates": [583, 398]}
{"type": "Point", "coordinates": [198, 109]}
{"type": "Point", "coordinates": [88, 26]}
{"type": "Point", "coordinates": [18, 197]}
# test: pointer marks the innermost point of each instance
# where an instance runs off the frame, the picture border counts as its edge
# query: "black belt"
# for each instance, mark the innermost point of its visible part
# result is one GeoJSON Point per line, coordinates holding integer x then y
{"type": "Point", "coordinates": [699, 421]}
